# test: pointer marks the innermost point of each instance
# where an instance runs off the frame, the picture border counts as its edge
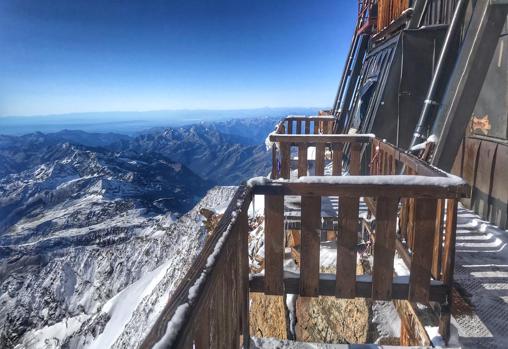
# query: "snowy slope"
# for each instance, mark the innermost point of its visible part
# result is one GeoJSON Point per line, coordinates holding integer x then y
{"type": "Point", "coordinates": [109, 296]}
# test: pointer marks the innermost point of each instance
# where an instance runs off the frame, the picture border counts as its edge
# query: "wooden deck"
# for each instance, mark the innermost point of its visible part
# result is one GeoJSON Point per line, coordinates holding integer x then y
{"type": "Point", "coordinates": [413, 213]}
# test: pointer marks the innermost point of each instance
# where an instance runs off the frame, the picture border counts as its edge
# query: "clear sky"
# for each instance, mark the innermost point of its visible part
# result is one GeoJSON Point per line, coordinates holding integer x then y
{"type": "Point", "coordinates": [61, 56]}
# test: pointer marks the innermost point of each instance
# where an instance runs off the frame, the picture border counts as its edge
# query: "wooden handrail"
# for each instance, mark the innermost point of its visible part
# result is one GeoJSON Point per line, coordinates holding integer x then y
{"type": "Point", "coordinates": [319, 139]}
{"type": "Point", "coordinates": [311, 118]}
{"type": "Point", "coordinates": [398, 186]}
{"type": "Point", "coordinates": [222, 264]}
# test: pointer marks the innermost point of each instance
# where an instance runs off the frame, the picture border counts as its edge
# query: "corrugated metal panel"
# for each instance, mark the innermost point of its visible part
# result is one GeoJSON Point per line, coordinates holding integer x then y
{"type": "Point", "coordinates": [439, 12]}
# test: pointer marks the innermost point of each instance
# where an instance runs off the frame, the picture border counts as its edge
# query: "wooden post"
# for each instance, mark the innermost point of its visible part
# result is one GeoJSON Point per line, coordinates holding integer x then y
{"type": "Point", "coordinates": [275, 169]}
{"type": "Point", "coordinates": [320, 159]}
{"type": "Point", "coordinates": [290, 126]}
{"type": "Point", "coordinates": [302, 159]}
{"type": "Point", "coordinates": [325, 127]}
{"type": "Point", "coordinates": [354, 163]}
{"type": "Point", "coordinates": [337, 159]}
{"type": "Point", "coordinates": [438, 241]}
{"type": "Point", "coordinates": [285, 160]}
{"type": "Point", "coordinates": [421, 258]}
{"type": "Point", "coordinates": [310, 246]}
{"type": "Point", "coordinates": [243, 225]}
{"type": "Point", "coordinates": [448, 265]}
{"type": "Point", "coordinates": [298, 127]}
{"type": "Point", "coordinates": [347, 240]}
{"type": "Point", "coordinates": [274, 244]}
{"type": "Point", "coordinates": [307, 127]}
{"type": "Point", "coordinates": [384, 248]}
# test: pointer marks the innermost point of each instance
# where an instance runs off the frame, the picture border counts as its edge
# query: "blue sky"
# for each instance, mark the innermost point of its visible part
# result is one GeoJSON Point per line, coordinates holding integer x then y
{"type": "Point", "coordinates": [61, 56]}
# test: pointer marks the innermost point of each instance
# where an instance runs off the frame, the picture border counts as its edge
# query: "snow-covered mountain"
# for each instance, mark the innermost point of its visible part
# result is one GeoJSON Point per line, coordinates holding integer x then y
{"type": "Point", "coordinates": [72, 226]}
{"type": "Point", "coordinates": [221, 158]}
{"type": "Point", "coordinates": [107, 293]}
{"type": "Point", "coordinates": [96, 231]}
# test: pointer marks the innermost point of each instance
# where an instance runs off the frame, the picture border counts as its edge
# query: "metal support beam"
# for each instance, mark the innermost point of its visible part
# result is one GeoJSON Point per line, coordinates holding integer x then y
{"type": "Point", "coordinates": [444, 63]}
{"type": "Point", "coordinates": [467, 79]}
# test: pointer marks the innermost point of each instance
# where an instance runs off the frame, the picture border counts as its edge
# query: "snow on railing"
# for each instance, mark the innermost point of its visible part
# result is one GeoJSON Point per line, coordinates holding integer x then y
{"type": "Point", "coordinates": [416, 211]}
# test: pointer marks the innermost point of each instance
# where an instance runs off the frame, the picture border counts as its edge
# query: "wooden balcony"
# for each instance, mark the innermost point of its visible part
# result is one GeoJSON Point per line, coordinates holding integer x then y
{"type": "Point", "coordinates": [413, 215]}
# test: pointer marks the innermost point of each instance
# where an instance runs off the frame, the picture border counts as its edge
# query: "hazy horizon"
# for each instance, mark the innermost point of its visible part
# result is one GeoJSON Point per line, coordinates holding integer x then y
{"type": "Point", "coordinates": [132, 122]}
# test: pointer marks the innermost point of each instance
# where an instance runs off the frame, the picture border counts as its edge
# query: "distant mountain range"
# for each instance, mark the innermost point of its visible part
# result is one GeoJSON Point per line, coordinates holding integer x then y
{"type": "Point", "coordinates": [132, 123]}
{"type": "Point", "coordinates": [85, 216]}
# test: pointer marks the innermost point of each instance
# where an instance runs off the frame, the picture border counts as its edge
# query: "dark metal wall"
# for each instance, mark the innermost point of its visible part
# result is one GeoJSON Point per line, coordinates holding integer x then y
{"type": "Point", "coordinates": [394, 82]}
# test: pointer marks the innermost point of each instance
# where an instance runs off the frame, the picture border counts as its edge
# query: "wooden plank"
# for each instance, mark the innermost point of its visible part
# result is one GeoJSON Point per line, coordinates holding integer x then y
{"type": "Point", "coordinates": [448, 266]}
{"type": "Point", "coordinates": [384, 248]}
{"type": "Point", "coordinates": [438, 241]}
{"type": "Point", "coordinates": [326, 127]}
{"type": "Point", "coordinates": [202, 336]}
{"type": "Point", "coordinates": [226, 292]}
{"type": "Point", "coordinates": [298, 127]}
{"type": "Point", "coordinates": [317, 138]}
{"type": "Point", "coordinates": [310, 117]}
{"type": "Point", "coordinates": [403, 218]}
{"type": "Point", "coordinates": [421, 258]}
{"type": "Point", "coordinates": [302, 160]}
{"type": "Point", "coordinates": [337, 159]}
{"type": "Point", "coordinates": [458, 163]}
{"type": "Point", "coordinates": [285, 160]}
{"type": "Point", "coordinates": [449, 241]}
{"type": "Point", "coordinates": [413, 331]}
{"type": "Point", "coordinates": [374, 157]}
{"type": "Point", "coordinates": [410, 221]}
{"type": "Point", "coordinates": [327, 283]}
{"type": "Point", "coordinates": [470, 165]}
{"type": "Point", "coordinates": [222, 311]}
{"type": "Point", "coordinates": [354, 163]}
{"type": "Point", "coordinates": [320, 160]}
{"type": "Point", "coordinates": [347, 241]}
{"type": "Point", "coordinates": [235, 293]}
{"type": "Point", "coordinates": [361, 189]}
{"type": "Point", "coordinates": [484, 179]}
{"type": "Point", "coordinates": [498, 210]}
{"type": "Point", "coordinates": [274, 244]}
{"type": "Point", "coordinates": [275, 170]}
{"type": "Point", "coordinates": [315, 126]}
{"type": "Point", "coordinates": [244, 280]}
{"type": "Point", "coordinates": [310, 245]}
{"type": "Point", "coordinates": [307, 126]}
{"type": "Point", "coordinates": [188, 342]}
{"type": "Point", "coordinates": [181, 293]}
{"type": "Point", "coordinates": [383, 162]}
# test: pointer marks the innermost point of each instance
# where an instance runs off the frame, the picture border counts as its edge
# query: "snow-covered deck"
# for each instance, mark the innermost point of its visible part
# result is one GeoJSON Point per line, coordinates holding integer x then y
{"type": "Point", "coordinates": [481, 274]}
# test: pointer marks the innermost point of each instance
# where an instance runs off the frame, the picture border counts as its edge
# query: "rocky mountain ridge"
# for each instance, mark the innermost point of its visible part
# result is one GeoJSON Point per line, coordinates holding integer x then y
{"type": "Point", "coordinates": [94, 237]}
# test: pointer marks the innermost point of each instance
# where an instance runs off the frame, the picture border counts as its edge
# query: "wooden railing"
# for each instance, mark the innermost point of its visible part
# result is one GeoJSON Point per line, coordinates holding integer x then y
{"type": "Point", "coordinates": [306, 125]}
{"type": "Point", "coordinates": [386, 159]}
{"type": "Point", "coordinates": [386, 192]}
{"type": "Point", "coordinates": [326, 148]}
{"type": "Point", "coordinates": [303, 132]}
{"type": "Point", "coordinates": [210, 308]}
